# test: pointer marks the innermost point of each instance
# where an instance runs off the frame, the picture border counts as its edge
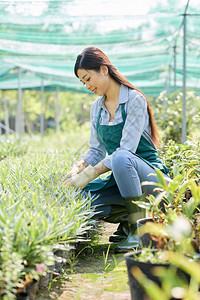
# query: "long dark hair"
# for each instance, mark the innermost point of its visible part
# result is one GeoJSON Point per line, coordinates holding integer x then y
{"type": "Point", "coordinates": [93, 58]}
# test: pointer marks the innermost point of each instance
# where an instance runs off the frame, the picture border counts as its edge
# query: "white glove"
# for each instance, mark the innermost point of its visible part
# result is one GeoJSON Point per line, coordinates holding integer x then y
{"type": "Point", "coordinates": [82, 179]}
{"type": "Point", "coordinates": [77, 168]}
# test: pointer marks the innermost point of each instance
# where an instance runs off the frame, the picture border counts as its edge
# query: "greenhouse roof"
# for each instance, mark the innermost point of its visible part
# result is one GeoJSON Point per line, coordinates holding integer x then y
{"type": "Point", "coordinates": [144, 41]}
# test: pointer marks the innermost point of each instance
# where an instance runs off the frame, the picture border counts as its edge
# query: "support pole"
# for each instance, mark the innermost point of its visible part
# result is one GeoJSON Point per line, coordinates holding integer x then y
{"type": "Point", "coordinates": [169, 79]}
{"type": "Point", "coordinates": [184, 124]}
{"type": "Point", "coordinates": [0, 123]}
{"type": "Point", "coordinates": [5, 113]}
{"type": "Point", "coordinates": [19, 122]}
{"type": "Point", "coordinates": [42, 110]}
{"type": "Point", "coordinates": [57, 109]}
{"type": "Point", "coordinates": [174, 68]}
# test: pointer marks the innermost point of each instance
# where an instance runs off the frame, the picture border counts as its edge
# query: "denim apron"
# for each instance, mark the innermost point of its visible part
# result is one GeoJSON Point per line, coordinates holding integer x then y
{"type": "Point", "coordinates": [110, 136]}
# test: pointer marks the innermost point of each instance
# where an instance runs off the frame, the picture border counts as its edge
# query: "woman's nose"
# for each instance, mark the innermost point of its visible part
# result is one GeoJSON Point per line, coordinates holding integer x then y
{"type": "Point", "coordinates": [88, 86]}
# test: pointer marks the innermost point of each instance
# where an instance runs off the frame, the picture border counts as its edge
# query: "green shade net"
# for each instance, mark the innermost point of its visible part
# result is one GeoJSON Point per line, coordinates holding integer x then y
{"type": "Point", "coordinates": [45, 37]}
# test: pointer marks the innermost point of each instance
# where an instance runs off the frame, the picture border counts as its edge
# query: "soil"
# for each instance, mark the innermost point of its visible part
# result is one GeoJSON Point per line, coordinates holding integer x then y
{"type": "Point", "coordinates": [95, 273]}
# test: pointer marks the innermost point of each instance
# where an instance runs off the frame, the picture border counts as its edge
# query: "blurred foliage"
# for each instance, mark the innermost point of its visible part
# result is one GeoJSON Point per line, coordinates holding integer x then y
{"type": "Point", "coordinates": [74, 111]}
{"type": "Point", "coordinates": [181, 158]}
{"type": "Point", "coordinates": [12, 147]}
{"type": "Point", "coordinates": [168, 114]}
{"type": "Point", "coordinates": [74, 140]}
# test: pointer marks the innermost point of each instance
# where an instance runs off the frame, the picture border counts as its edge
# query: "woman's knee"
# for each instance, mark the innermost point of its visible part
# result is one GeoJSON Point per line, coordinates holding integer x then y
{"type": "Point", "coordinates": [120, 159]}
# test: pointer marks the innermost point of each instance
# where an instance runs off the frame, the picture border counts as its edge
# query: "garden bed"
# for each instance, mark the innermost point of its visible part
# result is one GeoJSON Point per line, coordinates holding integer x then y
{"type": "Point", "coordinates": [38, 219]}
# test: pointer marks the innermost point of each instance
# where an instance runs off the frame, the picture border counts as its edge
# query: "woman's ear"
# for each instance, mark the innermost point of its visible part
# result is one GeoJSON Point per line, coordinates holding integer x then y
{"type": "Point", "coordinates": [104, 70]}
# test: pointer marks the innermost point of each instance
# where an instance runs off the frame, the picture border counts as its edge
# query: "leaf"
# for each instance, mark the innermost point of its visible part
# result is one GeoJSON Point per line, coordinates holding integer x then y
{"type": "Point", "coordinates": [160, 197]}
{"type": "Point", "coordinates": [161, 179]}
{"type": "Point", "coordinates": [183, 187]}
{"type": "Point", "coordinates": [142, 204]}
{"type": "Point", "coordinates": [176, 181]}
{"type": "Point", "coordinates": [190, 207]}
{"type": "Point", "coordinates": [195, 190]}
{"type": "Point", "coordinates": [186, 264]}
{"type": "Point", "coordinates": [156, 229]}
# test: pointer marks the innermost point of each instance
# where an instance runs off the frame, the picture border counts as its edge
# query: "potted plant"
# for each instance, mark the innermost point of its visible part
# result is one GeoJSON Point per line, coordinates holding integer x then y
{"type": "Point", "coordinates": [174, 230]}
{"type": "Point", "coordinates": [176, 242]}
{"type": "Point", "coordinates": [175, 277]}
{"type": "Point", "coordinates": [180, 196]}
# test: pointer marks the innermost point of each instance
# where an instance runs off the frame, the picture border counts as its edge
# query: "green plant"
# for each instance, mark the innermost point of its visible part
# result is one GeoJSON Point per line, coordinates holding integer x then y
{"type": "Point", "coordinates": [149, 256]}
{"type": "Point", "coordinates": [37, 216]}
{"type": "Point", "coordinates": [105, 258]}
{"type": "Point", "coordinates": [168, 114]}
{"type": "Point", "coordinates": [73, 259]}
{"type": "Point", "coordinates": [182, 159]}
{"type": "Point", "coordinates": [177, 207]}
{"type": "Point", "coordinates": [175, 227]}
{"type": "Point", "coordinates": [172, 286]}
{"type": "Point", "coordinates": [180, 278]}
{"type": "Point", "coordinates": [182, 195]}
{"type": "Point", "coordinates": [13, 148]}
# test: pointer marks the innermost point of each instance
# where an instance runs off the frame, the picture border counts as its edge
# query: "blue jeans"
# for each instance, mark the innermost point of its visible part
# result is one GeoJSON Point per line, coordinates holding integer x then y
{"type": "Point", "coordinates": [129, 172]}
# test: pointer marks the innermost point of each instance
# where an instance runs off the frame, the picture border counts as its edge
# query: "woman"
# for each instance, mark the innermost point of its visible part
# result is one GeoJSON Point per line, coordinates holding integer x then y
{"type": "Point", "coordinates": [123, 127]}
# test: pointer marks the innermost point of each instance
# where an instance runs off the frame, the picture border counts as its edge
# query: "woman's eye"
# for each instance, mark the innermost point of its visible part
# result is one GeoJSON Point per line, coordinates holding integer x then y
{"type": "Point", "coordinates": [86, 80]}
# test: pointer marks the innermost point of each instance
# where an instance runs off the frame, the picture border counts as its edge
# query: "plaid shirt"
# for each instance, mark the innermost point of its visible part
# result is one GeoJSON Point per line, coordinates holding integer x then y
{"type": "Point", "coordinates": [136, 125]}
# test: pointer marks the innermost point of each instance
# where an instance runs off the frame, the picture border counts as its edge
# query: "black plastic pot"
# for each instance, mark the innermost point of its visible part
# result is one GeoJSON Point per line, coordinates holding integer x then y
{"type": "Point", "coordinates": [22, 296]}
{"type": "Point", "coordinates": [137, 292]}
{"type": "Point", "coordinates": [29, 291]}
{"type": "Point", "coordinates": [145, 240]}
{"type": "Point", "coordinates": [63, 257]}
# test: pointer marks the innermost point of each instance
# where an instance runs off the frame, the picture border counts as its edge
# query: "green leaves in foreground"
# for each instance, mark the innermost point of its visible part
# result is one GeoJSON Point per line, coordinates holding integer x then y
{"type": "Point", "coordinates": [36, 216]}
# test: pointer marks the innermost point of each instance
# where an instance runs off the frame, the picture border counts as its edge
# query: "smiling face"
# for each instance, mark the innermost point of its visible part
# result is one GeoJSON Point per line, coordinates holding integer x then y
{"type": "Point", "coordinates": [96, 82]}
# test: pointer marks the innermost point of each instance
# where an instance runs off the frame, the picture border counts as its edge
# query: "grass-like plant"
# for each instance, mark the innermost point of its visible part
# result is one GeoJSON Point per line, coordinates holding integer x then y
{"type": "Point", "coordinates": [37, 216]}
{"type": "Point", "coordinates": [12, 148]}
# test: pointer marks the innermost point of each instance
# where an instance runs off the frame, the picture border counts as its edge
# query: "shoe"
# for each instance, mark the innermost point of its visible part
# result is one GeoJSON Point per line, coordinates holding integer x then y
{"type": "Point", "coordinates": [121, 233]}
{"type": "Point", "coordinates": [134, 213]}
{"type": "Point", "coordinates": [129, 243]}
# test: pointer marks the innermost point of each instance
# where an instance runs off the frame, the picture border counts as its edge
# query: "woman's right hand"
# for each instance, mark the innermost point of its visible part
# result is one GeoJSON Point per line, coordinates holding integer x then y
{"type": "Point", "coordinates": [76, 169]}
